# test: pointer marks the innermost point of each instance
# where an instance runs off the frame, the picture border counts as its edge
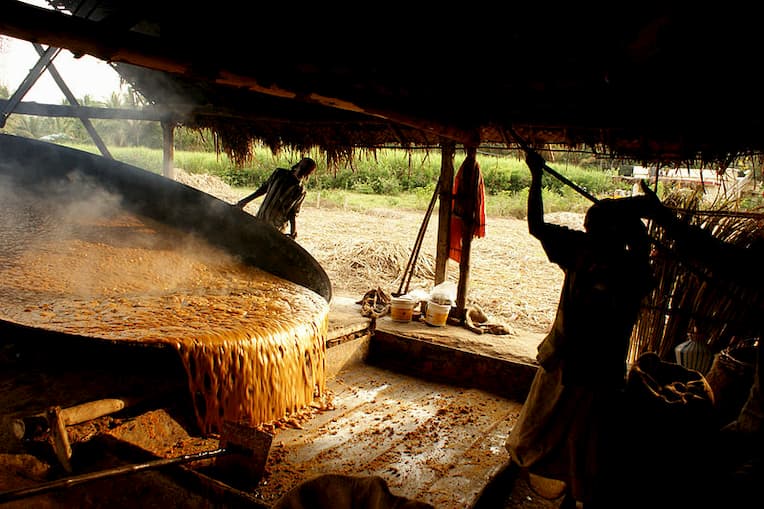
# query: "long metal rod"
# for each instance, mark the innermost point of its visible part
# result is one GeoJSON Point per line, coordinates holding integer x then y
{"type": "Point", "coordinates": [410, 266]}
{"type": "Point", "coordinates": [552, 172]}
{"type": "Point", "coordinates": [68, 482]}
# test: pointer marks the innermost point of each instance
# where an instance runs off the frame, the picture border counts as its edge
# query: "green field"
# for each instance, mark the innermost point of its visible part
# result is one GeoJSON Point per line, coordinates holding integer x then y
{"type": "Point", "coordinates": [391, 178]}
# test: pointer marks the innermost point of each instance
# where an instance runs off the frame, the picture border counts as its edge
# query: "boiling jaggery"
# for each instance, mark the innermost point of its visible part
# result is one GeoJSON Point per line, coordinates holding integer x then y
{"type": "Point", "coordinates": [253, 344]}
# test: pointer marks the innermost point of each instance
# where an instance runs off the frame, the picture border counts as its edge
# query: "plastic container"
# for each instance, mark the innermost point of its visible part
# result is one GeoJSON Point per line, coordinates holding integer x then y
{"type": "Point", "coordinates": [401, 309]}
{"type": "Point", "coordinates": [694, 354]}
{"type": "Point", "coordinates": [436, 313]}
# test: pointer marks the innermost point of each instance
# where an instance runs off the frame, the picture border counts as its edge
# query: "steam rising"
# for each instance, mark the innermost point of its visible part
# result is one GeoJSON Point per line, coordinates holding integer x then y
{"type": "Point", "coordinates": [79, 212]}
{"type": "Point", "coordinates": [75, 260]}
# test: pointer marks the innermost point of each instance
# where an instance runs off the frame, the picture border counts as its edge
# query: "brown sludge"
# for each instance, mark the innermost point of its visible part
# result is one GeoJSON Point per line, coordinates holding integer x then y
{"type": "Point", "coordinates": [253, 344]}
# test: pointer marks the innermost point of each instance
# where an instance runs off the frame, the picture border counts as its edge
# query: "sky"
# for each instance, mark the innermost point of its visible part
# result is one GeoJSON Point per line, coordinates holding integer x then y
{"type": "Point", "coordinates": [84, 76]}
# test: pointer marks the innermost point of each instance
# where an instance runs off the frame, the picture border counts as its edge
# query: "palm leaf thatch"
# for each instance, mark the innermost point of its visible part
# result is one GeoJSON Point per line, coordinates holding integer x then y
{"type": "Point", "coordinates": [685, 299]}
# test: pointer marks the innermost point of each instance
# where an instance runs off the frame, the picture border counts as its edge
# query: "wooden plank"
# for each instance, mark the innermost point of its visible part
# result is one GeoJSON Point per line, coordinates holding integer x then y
{"type": "Point", "coordinates": [479, 464]}
{"type": "Point", "coordinates": [450, 457]}
{"type": "Point", "coordinates": [436, 443]}
{"type": "Point", "coordinates": [66, 111]}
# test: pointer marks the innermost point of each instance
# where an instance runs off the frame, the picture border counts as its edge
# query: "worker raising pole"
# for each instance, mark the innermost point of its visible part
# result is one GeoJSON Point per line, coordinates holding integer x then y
{"type": "Point", "coordinates": [552, 172]}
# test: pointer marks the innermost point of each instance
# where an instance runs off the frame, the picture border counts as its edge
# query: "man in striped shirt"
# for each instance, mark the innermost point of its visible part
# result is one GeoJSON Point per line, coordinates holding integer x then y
{"type": "Point", "coordinates": [284, 193]}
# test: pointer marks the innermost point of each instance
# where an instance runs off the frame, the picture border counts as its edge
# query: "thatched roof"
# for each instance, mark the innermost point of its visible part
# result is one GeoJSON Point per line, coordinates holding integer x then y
{"type": "Point", "coordinates": [643, 83]}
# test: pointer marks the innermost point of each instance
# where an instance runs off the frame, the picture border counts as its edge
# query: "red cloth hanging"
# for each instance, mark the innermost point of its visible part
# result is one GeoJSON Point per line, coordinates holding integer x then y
{"type": "Point", "coordinates": [459, 205]}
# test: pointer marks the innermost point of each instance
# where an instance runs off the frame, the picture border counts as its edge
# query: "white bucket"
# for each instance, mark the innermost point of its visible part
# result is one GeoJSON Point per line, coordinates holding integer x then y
{"type": "Point", "coordinates": [437, 313]}
{"type": "Point", "coordinates": [401, 309]}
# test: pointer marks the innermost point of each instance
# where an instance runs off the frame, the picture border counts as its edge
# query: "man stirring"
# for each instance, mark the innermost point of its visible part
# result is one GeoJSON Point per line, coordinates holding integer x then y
{"type": "Point", "coordinates": [284, 193]}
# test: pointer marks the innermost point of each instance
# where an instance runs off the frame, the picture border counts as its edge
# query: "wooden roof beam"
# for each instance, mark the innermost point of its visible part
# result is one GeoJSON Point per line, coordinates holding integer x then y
{"type": "Point", "coordinates": [60, 110]}
{"type": "Point", "coordinates": [81, 36]}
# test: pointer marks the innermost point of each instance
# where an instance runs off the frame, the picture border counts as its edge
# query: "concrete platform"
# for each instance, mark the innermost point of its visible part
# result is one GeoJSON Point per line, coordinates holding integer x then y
{"type": "Point", "coordinates": [500, 364]}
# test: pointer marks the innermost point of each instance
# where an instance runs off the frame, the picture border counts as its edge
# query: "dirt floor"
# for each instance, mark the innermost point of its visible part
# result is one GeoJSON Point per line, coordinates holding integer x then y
{"type": "Point", "coordinates": [510, 276]}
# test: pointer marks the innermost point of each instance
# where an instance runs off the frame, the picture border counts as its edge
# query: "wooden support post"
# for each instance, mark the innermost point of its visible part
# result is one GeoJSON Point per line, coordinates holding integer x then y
{"type": "Point", "coordinates": [470, 192]}
{"type": "Point", "coordinates": [448, 149]}
{"type": "Point", "coordinates": [168, 149]}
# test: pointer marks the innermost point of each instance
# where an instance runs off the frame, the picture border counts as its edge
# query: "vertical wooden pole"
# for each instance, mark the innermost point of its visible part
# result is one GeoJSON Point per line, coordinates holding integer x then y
{"type": "Point", "coordinates": [469, 181]}
{"type": "Point", "coordinates": [448, 149]}
{"type": "Point", "coordinates": [168, 149]}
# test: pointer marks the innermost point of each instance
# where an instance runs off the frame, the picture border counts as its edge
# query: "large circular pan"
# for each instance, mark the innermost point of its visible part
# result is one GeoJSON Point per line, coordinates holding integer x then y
{"type": "Point", "coordinates": [257, 356]}
{"type": "Point", "coordinates": [36, 165]}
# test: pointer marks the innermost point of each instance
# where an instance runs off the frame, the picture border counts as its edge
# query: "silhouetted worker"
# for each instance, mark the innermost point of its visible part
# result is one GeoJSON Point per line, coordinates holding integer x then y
{"type": "Point", "coordinates": [571, 412]}
{"type": "Point", "coordinates": [284, 193]}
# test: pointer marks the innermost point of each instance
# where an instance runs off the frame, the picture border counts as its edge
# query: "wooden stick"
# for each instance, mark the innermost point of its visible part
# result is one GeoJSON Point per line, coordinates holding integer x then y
{"type": "Point", "coordinates": [60, 438]}
{"type": "Point", "coordinates": [74, 415]}
{"type": "Point", "coordinates": [92, 410]}
{"type": "Point", "coordinates": [552, 172]}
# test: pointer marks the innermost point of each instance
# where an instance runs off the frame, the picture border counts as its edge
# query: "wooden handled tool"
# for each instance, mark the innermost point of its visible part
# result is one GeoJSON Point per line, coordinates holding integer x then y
{"type": "Point", "coordinates": [244, 451]}
{"type": "Point", "coordinates": [57, 419]}
{"type": "Point", "coordinates": [20, 427]}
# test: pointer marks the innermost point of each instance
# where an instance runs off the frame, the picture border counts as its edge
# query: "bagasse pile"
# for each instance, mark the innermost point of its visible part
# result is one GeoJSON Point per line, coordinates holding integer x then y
{"type": "Point", "coordinates": [688, 297]}
{"type": "Point", "coordinates": [253, 344]}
